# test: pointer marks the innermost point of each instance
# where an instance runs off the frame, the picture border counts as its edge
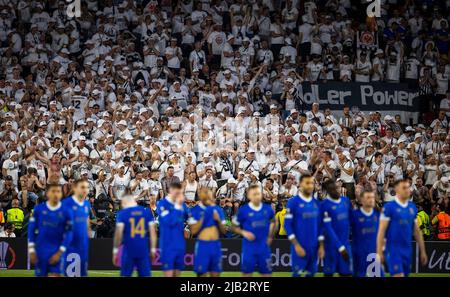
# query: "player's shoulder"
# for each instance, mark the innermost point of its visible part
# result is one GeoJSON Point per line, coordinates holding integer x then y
{"type": "Point", "coordinates": [356, 212]}
{"type": "Point", "coordinates": [244, 208]}
{"type": "Point", "coordinates": [390, 204]}
{"type": "Point", "coordinates": [268, 207]}
{"type": "Point", "coordinates": [293, 200]}
{"type": "Point", "coordinates": [376, 212]}
{"type": "Point", "coordinates": [345, 200]}
{"type": "Point", "coordinates": [67, 201]}
{"type": "Point", "coordinates": [87, 203]}
{"type": "Point", "coordinates": [412, 206]}
{"type": "Point", "coordinates": [39, 208]}
{"type": "Point", "coordinates": [162, 203]}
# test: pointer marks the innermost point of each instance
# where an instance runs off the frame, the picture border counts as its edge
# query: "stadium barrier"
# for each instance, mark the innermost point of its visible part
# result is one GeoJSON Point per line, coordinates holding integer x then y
{"type": "Point", "coordinates": [14, 255]}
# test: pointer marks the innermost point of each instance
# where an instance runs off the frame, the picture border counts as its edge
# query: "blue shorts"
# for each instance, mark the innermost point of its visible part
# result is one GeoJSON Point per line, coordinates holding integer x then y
{"type": "Point", "coordinates": [208, 256]}
{"type": "Point", "coordinates": [172, 260]}
{"type": "Point", "coordinates": [128, 264]}
{"type": "Point", "coordinates": [334, 262]}
{"type": "Point", "coordinates": [304, 266]}
{"type": "Point", "coordinates": [260, 258]}
{"type": "Point", "coordinates": [76, 262]}
{"type": "Point", "coordinates": [43, 268]}
{"type": "Point", "coordinates": [398, 263]}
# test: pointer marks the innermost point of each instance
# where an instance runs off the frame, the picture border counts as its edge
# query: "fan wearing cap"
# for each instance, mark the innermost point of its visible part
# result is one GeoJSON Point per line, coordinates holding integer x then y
{"type": "Point", "coordinates": [179, 93]}
{"type": "Point", "coordinates": [206, 163]}
{"type": "Point", "coordinates": [315, 114]}
{"type": "Point", "coordinates": [80, 147]}
{"type": "Point", "coordinates": [435, 144]}
{"type": "Point", "coordinates": [249, 164]}
{"type": "Point", "coordinates": [288, 52]}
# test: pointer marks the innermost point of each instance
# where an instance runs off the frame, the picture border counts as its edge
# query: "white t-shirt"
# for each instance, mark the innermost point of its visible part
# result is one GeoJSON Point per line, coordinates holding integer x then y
{"type": "Point", "coordinates": [12, 168]}
{"type": "Point", "coordinates": [344, 176]}
{"type": "Point", "coordinates": [142, 186]}
{"type": "Point", "coordinates": [412, 68]}
{"type": "Point", "coordinates": [445, 103]}
{"type": "Point", "coordinates": [120, 185]}
{"type": "Point", "coordinates": [79, 102]}
{"type": "Point", "coordinates": [173, 62]}
{"type": "Point", "coordinates": [217, 41]}
{"type": "Point", "coordinates": [442, 83]}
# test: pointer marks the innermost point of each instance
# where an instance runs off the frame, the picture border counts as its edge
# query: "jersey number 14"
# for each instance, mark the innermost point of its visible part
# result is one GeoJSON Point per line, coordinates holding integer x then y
{"type": "Point", "coordinates": [137, 228]}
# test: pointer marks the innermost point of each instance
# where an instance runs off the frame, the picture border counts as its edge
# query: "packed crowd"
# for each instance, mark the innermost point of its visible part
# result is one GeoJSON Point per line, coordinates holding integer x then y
{"type": "Point", "coordinates": [136, 95]}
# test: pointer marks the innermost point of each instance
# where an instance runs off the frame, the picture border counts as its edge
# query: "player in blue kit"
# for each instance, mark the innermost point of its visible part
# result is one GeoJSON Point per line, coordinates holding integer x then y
{"type": "Point", "coordinates": [336, 211]}
{"type": "Point", "coordinates": [49, 234]}
{"type": "Point", "coordinates": [255, 222]}
{"type": "Point", "coordinates": [302, 223]}
{"type": "Point", "coordinates": [135, 230]}
{"type": "Point", "coordinates": [364, 224]}
{"type": "Point", "coordinates": [172, 215]}
{"type": "Point", "coordinates": [207, 222]}
{"type": "Point", "coordinates": [78, 250]}
{"type": "Point", "coordinates": [397, 227]}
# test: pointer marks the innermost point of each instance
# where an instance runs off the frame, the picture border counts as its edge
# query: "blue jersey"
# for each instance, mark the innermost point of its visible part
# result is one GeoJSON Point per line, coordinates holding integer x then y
{"type": "Point", "coordinates": [136, 221]}
{"type": "Point", "coordinates": [336, 217]}
{"type": "Point", "coordinates": [80, 211]}
{"type": "Point", "coordinates": [208, 253]}
{"type": "Point", "coordinates": [400, 230]}
{"type": "Point", "coordinates": [364, 231]}
{"type": "Point", "coordinates": [50, 229]}
{"type": "Point", "coordinates": [364, 240]}
{"type": "Point", "coordinates": [256, 221]}
{"type": "Point", "coordinates": [302, 221]}
{"type": "Point", "coordinates": [171, 225]}
{"type": "Point", "coordinates": [207, 213]}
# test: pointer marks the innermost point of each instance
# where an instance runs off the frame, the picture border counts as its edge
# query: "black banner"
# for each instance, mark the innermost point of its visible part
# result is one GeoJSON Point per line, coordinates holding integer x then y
{"type": "Point", "coordinates": [13, 253]}
{"type": "Point", "coordinates": [438, 257]}
{"type": "Point", "coordinates": [366, 96]}
{"type": "Point", "coordinates": [100, 255]}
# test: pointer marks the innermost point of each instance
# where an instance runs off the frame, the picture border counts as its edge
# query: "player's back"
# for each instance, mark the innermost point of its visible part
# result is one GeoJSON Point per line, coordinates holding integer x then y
{"type": "Point", "coordinates": [171, 225]}
{"type": "Point", "coordinates": [136, 221]}
{"type": "Point", "coordinates": [401, 218]}
{"type": "Point", "coordinates": [80, 212]}
{"type": "Point", "coordinates": [339, 211]}
{"type": "Point", "coordinates": [305, 220]}
{"type": "Point", "coordinates": [364, 231]}
{"type": "Point", "coordinates": [51, 223]}
{"type": "Point", "coordinates": [256, 221]}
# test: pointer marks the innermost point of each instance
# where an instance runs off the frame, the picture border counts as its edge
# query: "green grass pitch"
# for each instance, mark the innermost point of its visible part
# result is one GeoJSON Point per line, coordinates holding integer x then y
{"type": "Point", "coordinates": [115, 273]}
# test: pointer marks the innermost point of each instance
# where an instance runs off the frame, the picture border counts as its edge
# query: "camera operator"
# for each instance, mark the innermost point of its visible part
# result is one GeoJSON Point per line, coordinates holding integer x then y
{"type": "Point", "coordinates": [106, 218]}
